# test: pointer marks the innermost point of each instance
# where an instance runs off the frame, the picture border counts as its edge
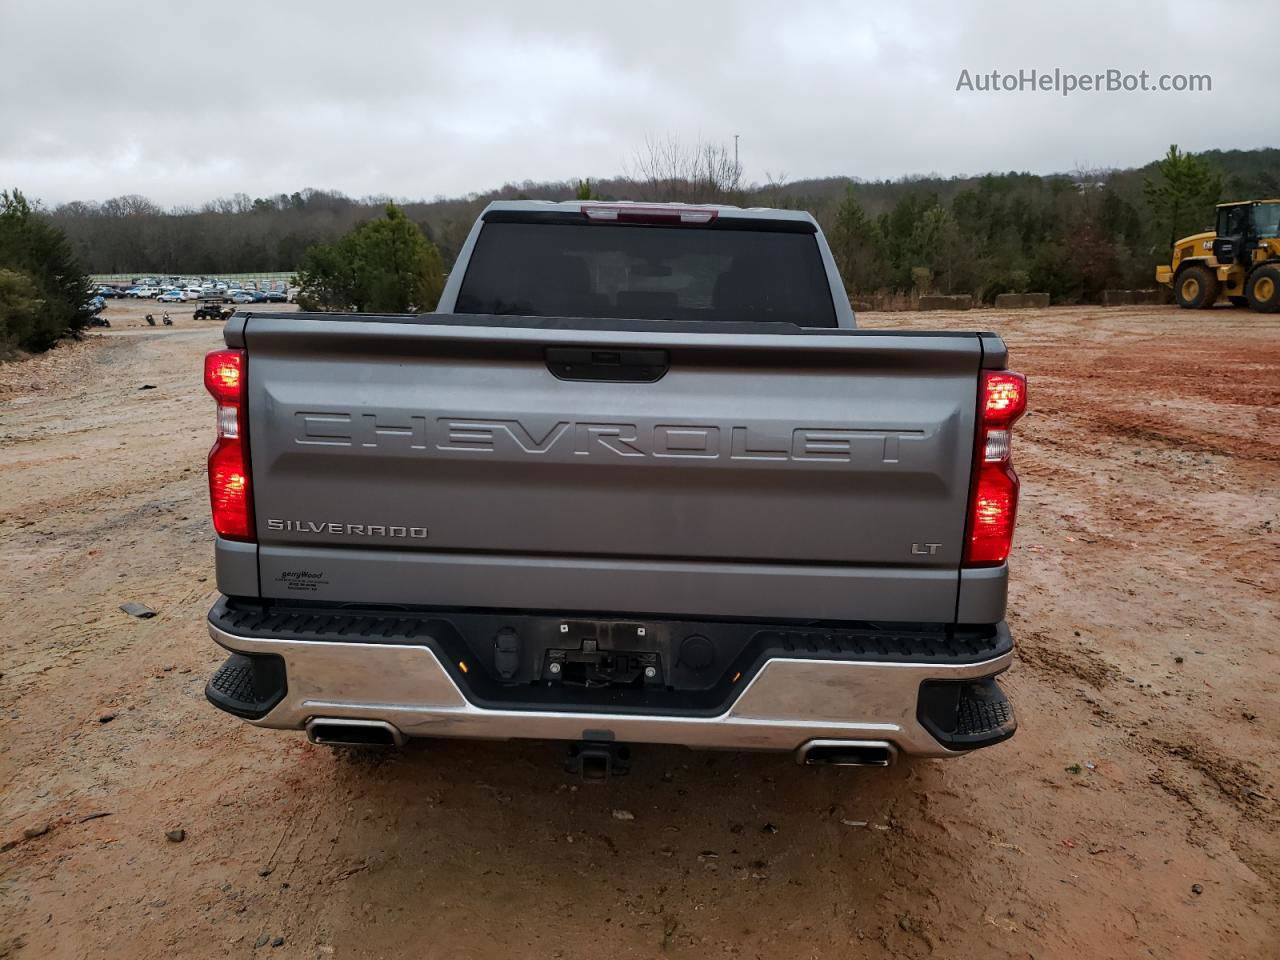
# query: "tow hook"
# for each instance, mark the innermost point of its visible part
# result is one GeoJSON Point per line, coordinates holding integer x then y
{"type": "Point", "coordinates": [598, 759]}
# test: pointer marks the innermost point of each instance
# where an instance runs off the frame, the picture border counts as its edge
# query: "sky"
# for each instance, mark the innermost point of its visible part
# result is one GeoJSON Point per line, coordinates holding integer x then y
{"type": "Point", "coordinates": [417, 99]}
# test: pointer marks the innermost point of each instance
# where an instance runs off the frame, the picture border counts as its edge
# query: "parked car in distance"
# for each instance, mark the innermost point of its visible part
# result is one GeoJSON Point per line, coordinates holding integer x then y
{"type": "Point", "coordinates": [193, 291]}
{"type": "Point", "coordinates": [96, 305]}
{"type": "Point", "coordinates": [247, 296]}
{"type": "Point", "coordinates": [173, 296]}
{"type": "Point", "coordinates": [275, 296]}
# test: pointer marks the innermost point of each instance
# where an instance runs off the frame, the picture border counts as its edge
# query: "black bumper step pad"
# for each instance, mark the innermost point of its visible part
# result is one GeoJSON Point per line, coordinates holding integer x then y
{"type": "Point", "coordinates": [247, 685]}
{"type": "Point", "coordinates": [951, 645]}
{"type": "Point", "coordinates": [965, 715]}
{"type": "Point", "coordinates": [979, 718]}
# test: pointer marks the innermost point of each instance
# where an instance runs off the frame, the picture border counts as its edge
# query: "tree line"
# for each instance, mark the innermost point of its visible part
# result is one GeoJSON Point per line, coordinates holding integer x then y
{"type": "Point", "coordinates": [1070, 235]}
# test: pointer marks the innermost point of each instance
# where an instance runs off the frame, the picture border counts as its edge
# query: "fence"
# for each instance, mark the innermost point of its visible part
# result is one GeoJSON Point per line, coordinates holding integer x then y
{"type": "Point", "coordinates": [115, 279]}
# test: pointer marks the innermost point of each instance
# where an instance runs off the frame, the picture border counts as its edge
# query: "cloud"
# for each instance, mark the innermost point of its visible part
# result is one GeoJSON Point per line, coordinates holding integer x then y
{"type": "Point", "coordinates": [414, 99]}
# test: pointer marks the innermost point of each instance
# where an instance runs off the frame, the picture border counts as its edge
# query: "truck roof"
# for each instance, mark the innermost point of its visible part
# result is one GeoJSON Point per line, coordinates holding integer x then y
{"type": "Point", "coordinates": [726, 211]}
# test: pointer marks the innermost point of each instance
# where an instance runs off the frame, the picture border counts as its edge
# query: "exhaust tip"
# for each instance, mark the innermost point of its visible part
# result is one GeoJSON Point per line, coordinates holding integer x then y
{"type": "Point", "coordinates": [330, 732]}
{"type": "Point", "coordinates": [847, 753]}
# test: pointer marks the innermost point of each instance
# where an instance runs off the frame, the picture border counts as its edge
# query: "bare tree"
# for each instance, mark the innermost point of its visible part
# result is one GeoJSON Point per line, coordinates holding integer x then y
{"type": "Point", "coordinates": [130, 205]}
{"type": "Point", "coordinates": [219, 205]}
{"type": "Point", "coordinates": [671, 170]}
{"type": "Point", "coordinates": [773, 190]}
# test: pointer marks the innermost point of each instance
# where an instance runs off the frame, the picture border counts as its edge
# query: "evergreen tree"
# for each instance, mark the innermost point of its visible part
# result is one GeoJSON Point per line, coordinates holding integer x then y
{"type": "Point", "coordinates": [20, 309]}
{"type": "Point", "coordinates": [857, 245]}
{"type": "Point", "coordinates": [383, 266]}
{"type": "Point", "coordinates": [45, 294]}
{"type": "Point", "coordinates": [936, 244]}
{"type": "Point", "coordinates": [1184, 196]}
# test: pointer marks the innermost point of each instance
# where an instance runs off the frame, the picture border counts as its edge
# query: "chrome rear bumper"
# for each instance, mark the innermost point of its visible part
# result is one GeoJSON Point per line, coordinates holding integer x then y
{"type": "Point", "coordinates": [787, 704]}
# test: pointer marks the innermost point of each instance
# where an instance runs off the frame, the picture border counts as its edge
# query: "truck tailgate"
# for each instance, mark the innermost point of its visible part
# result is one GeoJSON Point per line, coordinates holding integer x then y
{"type": "Point", "coordinates": [442, 461]}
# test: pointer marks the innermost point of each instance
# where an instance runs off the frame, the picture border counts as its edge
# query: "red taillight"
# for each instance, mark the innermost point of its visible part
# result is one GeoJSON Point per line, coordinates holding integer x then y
{"type": "Point", "coordinates": [223, 374]}
{"type": "Point", "coordinates": [230, 490]}
{"type": "Point", "coordinates": [993, 506]}
{"type": "Point", "coordinates": [1004, 398]}
{"type": "Point", "coordinates": [992, 515]}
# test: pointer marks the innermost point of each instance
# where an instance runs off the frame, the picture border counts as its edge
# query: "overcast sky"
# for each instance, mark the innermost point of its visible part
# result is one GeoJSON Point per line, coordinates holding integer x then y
{"type": "Point", "coordinates": [415, 99]}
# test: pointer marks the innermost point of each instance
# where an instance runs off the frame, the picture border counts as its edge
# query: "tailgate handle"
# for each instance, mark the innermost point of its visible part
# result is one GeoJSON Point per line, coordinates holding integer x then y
{"type": "Point", "coordinates": [606, 363]}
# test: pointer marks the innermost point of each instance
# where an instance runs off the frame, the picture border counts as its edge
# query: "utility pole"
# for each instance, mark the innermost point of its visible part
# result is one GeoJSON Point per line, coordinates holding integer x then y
{"type": "Point", "coordinates": [735, 152]}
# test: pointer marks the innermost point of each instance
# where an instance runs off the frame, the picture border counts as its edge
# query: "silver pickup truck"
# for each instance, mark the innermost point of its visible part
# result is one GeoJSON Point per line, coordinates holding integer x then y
{"type": "Point", "coordinates": [638, 479]}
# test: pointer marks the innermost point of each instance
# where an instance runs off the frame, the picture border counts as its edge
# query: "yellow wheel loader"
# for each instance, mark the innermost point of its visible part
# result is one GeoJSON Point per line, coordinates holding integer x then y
{"type": "Point", "coordinates": [1237, 263]}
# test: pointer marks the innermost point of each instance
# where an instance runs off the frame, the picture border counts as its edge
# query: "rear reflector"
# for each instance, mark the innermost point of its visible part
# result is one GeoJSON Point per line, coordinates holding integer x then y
{"type": "Point", "coordinates": [993, 505]}
{"type": "Point", "coordinates": [998, 446]}
{"type": "Point", "coordinates": [648, 213]}
{"type": "Point", "coordinates": [230, 490]}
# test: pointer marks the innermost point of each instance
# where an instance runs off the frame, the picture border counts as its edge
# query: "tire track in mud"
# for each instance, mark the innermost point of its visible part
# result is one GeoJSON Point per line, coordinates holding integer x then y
{"type": "Point", "coordinates": [1183, 437]}
{"type": "Point", "coordinates": [1171, 526]}
{"type": "Point", "coordinates": [1044, 655]}
{"type": "Point", "coordinates": [1178, 759]}
{"type": "Point", "coordinates": [1250, 824]}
